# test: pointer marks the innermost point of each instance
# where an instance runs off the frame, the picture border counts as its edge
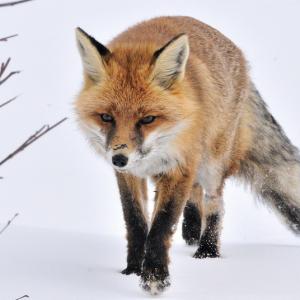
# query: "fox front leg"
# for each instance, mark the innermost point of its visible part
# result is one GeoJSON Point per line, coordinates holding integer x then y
{"type": "Point", "coordinates": [133, 198]}
{"type": "Point", "coordinates": [172, 193]}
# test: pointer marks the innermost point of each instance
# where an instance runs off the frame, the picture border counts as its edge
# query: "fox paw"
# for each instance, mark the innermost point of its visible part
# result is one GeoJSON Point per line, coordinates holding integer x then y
{"type": "Point", "coordinates": [191, 241]}
{"type": "Point", "coordinates": [132, 270]}
{"type": "Point", "coordinates": [154, 285]}
{"type": "Point", "coordinates": [154, 279]}
{"type": "Point", "coordinates": [206, 253]}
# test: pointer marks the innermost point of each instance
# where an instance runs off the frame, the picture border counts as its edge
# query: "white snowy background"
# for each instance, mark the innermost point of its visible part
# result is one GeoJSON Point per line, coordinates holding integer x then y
{"type": "Point", "coordinates": [68, 241]}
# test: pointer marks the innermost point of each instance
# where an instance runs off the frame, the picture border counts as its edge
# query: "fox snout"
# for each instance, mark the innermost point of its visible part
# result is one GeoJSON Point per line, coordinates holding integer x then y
{"type": "Point", "coordinates": [120, 160]}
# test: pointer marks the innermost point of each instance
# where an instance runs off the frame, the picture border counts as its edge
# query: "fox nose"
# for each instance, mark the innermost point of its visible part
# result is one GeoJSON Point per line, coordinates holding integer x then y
{"type": "Point", "coordinates": [120, 160]}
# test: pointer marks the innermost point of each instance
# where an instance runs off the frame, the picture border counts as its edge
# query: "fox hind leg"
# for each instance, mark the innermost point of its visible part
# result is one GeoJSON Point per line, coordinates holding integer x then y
{"type": "Point", "coordinates": [211, 179]}
{"type": "Point", "coordinates": [209, 244]}
{"type": "Point", "coordinates": [191, 225]}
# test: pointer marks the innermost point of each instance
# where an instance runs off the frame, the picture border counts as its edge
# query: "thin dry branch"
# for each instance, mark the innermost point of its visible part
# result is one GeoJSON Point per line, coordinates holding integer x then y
{"type": "Point", "coordinates": [25, 296]}
{"type": "Point", "coordinates": [13, 3]}
{"type": "Point", "coordinates": [8, 101]}
{"type": "Point", "coordinates": [3, 68]}
{"type": "Point", "coordinates": [8, 76]}
{"type": "Point", "coordinates": [8, 223]}
{"type": "Point", "coordinates": [5, 39]}
{"type": "Point", "coordinates": [38, 134]}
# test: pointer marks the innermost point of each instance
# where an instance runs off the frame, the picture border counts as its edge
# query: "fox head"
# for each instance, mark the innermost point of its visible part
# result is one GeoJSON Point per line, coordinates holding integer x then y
{"type": "Point", "coordinates": [133, 105]}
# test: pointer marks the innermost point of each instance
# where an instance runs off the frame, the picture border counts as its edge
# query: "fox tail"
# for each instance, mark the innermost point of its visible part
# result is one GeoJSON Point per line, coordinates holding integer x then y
{"type": "Point", "coordinates": [272, 165]}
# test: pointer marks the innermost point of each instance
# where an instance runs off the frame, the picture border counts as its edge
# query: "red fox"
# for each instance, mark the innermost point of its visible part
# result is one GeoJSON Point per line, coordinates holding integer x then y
{"type": "Point", "coordinates": [171, 99]}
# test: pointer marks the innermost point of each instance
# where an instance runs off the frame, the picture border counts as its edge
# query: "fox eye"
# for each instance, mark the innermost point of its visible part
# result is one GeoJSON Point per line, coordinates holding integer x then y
{"type": "Point", "coordinates": [106, 118]}
{"type": "Point", "coordinates": [147, 120]}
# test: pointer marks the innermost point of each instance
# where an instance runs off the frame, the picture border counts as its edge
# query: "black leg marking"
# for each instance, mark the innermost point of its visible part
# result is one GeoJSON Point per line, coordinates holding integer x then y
{"type": "Point", "coordinates": [137, 229]}
{"type": "Point", "coordinates": [136, 235]}
{"type": "Point", "coordinates": [155, 274]}
{"type": "Point", "coordinates": [191, 226]}
{"type": "Point", "coordinates": [210, 238]}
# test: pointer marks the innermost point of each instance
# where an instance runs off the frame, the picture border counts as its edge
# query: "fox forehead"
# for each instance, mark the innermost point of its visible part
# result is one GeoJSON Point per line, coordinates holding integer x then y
{"type": "Point", "coordinates": [120, 96]}
{"type": "Point", "coordinates": [130, 66]}
{"type": "Point", "coordinates": [132, 56]}
{"type": "Point", "coordinates": [130, 99]}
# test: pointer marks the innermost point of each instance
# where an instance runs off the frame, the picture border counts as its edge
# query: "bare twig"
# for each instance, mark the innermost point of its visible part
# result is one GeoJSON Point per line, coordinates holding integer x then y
{"type": "Point", "coordinates": [5, 39]}
{"type": "Point", "coordinates": [2, 70]}
{"type": "Point", "coordinates": [13, 3]}
{"type": "Point", "coordinates": [25, 296]}
{"type": "Point", "coordinates": [8, 101]}
{"type": "Point", "coordinates": [8, 223]}
{"type": "Point", "coordinates": [4, 66]}
{"type": "Point", "coordinates": [8, 76]}
{"type": "Point", "coordinates": [38, 134]}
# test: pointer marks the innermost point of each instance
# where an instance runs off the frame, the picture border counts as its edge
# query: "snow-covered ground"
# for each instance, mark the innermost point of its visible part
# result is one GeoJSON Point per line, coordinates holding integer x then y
{"type": "Point", "coordinates": [67, 242]}
{"type": "Point", "coordinates": [51, 265]}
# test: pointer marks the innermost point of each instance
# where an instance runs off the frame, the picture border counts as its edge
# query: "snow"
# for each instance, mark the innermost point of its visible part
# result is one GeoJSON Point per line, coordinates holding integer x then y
{"type": "Point", "coordinates": [55, 265]}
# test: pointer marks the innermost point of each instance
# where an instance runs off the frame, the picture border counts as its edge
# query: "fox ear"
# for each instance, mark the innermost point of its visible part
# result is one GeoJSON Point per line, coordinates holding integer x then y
{"type": "Point", "coordinates": [93, 55]}
{"type": "Point", "coordinates": [170, 61]}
